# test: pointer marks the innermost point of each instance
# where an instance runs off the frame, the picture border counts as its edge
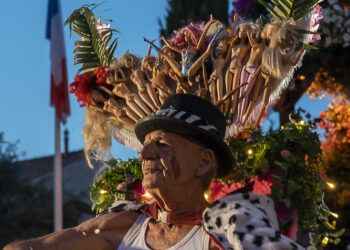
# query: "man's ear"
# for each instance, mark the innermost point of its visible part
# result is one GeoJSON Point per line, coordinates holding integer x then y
{"type": "Point", "coordinates": [207, 161]}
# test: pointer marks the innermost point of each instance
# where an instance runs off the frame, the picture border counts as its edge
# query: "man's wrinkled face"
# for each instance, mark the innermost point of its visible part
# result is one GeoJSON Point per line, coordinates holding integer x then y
{"type": "Point", "coordinates": [168, 160]}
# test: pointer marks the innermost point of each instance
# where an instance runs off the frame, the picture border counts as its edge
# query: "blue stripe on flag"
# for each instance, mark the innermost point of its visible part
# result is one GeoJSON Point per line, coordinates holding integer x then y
{"type": "Point", "coordinates": [51, 12]}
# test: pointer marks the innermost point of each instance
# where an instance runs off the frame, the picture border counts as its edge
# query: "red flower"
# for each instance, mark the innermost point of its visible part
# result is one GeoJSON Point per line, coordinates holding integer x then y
{"type": "Point", "coordinates": [263, 185]}
{"type": "Point", "coordinates": [218, 190]}
{"type": "Point", "coordinates": [81, 88]}
{"type": "Point", "coordinates": [101, 74]}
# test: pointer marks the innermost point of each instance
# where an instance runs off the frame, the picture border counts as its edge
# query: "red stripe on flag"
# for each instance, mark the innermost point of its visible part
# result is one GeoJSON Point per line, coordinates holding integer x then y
{"type": "Point", "coordinates": [59, 94]}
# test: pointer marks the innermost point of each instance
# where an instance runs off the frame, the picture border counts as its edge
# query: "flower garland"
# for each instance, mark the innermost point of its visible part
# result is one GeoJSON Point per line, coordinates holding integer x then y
{"type": "Point", "coordinates": [285, 164]}
{"type": "Point", "coordinates": [121, 182]}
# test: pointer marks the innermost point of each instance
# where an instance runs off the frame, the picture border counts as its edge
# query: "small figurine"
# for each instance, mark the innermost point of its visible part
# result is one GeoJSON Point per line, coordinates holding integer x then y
{"type": "Point", "coordinates": [251, 69]}
{"type": "Point", "coordinates": [137, 76]}
{"type": "Point", "coordinates": [216, 80]}
{"type": "Point", "coordinates": [100, 102]}
{"type": "Point", "coordinates": [189, 41]}
{"type": "Point", "coordinates": [238, 51]}
{"type": "Point", "coordinates": [277, 60]}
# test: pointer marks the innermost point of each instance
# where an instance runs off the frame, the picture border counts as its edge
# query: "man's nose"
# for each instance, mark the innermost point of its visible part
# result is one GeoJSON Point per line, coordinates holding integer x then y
{"type": "Point", "coordinates": [149, 151]}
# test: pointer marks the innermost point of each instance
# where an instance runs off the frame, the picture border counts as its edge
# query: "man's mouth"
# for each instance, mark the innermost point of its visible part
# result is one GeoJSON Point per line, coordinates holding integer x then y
{"type": "Point", "coordinates": [150, 168]}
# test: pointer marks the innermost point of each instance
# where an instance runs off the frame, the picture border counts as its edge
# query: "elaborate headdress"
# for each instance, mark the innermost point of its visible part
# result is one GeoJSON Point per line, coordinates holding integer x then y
{"type": "Point", "coordinates": [230, 73]}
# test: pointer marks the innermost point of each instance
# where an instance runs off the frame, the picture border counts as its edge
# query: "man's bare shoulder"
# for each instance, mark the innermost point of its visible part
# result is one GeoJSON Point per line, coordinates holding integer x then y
{"type": "Point", "coordinates": [103, 232]}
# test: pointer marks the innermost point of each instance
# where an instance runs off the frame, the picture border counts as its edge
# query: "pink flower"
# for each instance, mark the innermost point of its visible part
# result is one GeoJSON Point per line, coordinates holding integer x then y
{"type": "Point", "coordinates": [101, 27]}
{"type": "Point", "coordinates": [122, 186]}
{"type": "Point", "coordinates": [286, 154]}
{"type": "Point", "coordinates": [315, 23]}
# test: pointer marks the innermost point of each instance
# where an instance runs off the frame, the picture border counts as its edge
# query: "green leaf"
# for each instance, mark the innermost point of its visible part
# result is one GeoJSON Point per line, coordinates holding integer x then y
{"type": "Point", "coordinates": [85, 61]}
{"type": "Point", "coordinates": [270, 9]}
{"type": "Point", "coordinates": [308, 46]}
{"type": "Point", "coordinates": [83, 44]}
{"type": "Point", "coordinates": [339, 233]}
{"type": "Point", "coordinates": [336, 241]}
{"type": "Point", "coordinates": [329, 226]}
{"type": "Point", "coordinates": [111, 50]}
{"type": "Point", "coordinates": [287, 4]}
{"type": "Point", "coordinates": [280, 8]}
{"type": "Point", "coordinates": [86, 68]}
{"type": "Point", "coordinates": [83, 50]}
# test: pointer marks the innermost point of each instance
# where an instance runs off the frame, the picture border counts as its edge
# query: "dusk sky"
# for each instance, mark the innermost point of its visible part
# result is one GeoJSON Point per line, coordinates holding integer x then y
{"type": "Point", "coordinates": [25, 114]}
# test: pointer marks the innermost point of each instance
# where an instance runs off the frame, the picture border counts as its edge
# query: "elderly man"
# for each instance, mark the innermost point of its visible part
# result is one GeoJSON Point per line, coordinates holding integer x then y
{"type": "Point", "coordinates": [183, 149]}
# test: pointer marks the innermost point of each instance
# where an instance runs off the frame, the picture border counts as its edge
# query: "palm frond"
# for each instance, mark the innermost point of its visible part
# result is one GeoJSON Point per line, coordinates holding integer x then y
{"type": "Point", "coordinates": [93, 50]}
{"type": "Point", "coordinates": [295, 9]}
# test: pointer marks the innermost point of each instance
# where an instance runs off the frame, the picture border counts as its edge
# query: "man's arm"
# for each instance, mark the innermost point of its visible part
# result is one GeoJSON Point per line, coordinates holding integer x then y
{"type": "Point", "coordinates": [103, 232]}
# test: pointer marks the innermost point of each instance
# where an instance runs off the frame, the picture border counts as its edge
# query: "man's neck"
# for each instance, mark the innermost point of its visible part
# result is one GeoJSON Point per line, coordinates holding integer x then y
{"type": "Point", "coordinates": [180, 199]}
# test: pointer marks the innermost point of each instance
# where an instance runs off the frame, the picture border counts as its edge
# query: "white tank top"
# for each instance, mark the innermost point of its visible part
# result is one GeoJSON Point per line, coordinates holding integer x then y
{"type": "Point", "coordinates": [135, 238]}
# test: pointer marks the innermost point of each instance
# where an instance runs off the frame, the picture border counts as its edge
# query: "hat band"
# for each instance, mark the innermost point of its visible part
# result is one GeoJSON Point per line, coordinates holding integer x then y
{"type": "Point", "coordinates": [188, 118]}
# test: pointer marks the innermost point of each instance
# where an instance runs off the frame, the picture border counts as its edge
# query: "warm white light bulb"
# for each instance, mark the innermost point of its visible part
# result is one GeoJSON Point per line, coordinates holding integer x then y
{"type": "Point", "coordinates": [147, 195]}
{"type": "Point", "coordinates": [334, 214]}
{"type": "Point", "coordinates": [331, 185]}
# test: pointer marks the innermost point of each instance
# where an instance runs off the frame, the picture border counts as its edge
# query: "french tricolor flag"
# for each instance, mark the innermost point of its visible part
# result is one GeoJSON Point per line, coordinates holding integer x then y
{"type": "Point", "coordinates": [59, 84]}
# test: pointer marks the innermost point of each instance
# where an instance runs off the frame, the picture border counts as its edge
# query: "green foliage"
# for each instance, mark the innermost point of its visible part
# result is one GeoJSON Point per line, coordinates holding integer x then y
{"type": "Point", "coordinates": [285, 9]}
{"type": "Point", "coordinates": [96, 47]}
{"type": "Point", "coordinates": [181, 13]}
{"type": "Point", "coordinates": [105, 190]}
{"type": "Point", "coordinates": [292, 157]}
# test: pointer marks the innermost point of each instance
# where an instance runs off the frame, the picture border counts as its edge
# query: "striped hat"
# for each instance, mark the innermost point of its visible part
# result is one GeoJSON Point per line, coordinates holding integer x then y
{"type": "Point", "coordinates": [195, 119]}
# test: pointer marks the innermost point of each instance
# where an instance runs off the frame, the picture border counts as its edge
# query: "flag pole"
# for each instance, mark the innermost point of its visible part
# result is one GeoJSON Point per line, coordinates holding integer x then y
{"type": "Point", "coordinates": [58, 213]}
{"type": "Point", "coordinates": [58, 98]}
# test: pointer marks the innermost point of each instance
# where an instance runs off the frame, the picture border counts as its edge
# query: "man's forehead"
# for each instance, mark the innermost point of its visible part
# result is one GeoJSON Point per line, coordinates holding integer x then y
{"type": "Point", "coordinates": [159, 134]}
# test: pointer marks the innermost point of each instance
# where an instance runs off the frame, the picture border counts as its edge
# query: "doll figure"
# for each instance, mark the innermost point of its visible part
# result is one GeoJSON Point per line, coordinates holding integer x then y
{"type": "Point", "coordinates": [101, 103]}
{"type": "Point", "coordinates": [138, 78]}
{"type": "Point", "coordinates": [160, 73]}
{"type": "Point", "coordinates": [116, 74]}
{"type": "Point", "coordinates": [121, 113]}
{"type": "Point", "coordinates": [238, 51]}
{"type": "Point", "coordinates": [132, 100]}
{"type": "Point", "coordinates": [277, 60]}
{"type": "Point", "coordinates": [147, 65]}
{"type": "Point", "coordinates": [216, 80]}
{"type": "Point", "coordinates": [251, 69]}
{"type": "Point", "coordinates": [188, 42]}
